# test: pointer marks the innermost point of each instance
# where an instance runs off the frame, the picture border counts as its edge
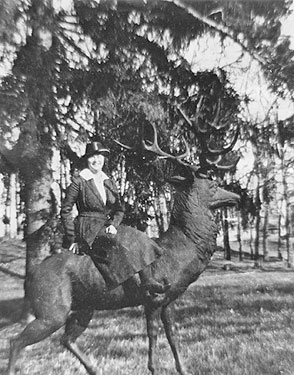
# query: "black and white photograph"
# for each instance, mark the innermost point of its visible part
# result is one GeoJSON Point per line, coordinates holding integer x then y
{"type": "Point", "coordinates": [147, 187]}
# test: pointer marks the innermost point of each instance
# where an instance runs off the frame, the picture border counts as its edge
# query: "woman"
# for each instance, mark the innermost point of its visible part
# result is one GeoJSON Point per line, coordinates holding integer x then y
{"type": "Point", "coordinates": [100, 213]}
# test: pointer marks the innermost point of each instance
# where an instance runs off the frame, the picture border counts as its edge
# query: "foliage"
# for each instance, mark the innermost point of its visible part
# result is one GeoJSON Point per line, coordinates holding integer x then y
{"type": "Point", "coordinates": [10, 13]}
{"type": "Point", "coordinates": [106, 69]}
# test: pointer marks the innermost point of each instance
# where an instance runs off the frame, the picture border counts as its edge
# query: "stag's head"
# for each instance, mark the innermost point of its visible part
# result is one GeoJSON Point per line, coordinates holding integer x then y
{"type": "Point", "coordinates": [209, 194]}
{"type": "Point", "coordinates": [195, 198]}
{"type": "Point", "coordinates": [197, 195]}
{"type": "Point", "coordinates": [194, 187]}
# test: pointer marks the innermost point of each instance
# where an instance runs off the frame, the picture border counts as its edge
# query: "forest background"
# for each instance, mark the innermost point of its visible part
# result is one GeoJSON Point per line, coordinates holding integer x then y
{"type": "Point", "coordinates": [73, 71]}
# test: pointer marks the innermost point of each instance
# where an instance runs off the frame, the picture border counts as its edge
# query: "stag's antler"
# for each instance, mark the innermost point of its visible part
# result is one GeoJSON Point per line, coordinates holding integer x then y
{"type": "Point", "coordinates": [154, 147]}
{"type": "Point", "coordinates": [210, 157]}
{"type": "Point", "coordinates": [130, 148]}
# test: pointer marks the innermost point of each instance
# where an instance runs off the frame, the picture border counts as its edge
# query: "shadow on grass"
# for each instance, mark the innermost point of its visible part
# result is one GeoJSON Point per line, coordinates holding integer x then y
{"type": "Point", "coordinates": [236, 311]}
{"type": "Point", "coordinates": [10, 311]}
{"type": "Point", "coordinates": [214, 307]}
{"type": "Point", "coordinates": [11, 273]}
{"type": "Point", "coordinates": [129, 312]}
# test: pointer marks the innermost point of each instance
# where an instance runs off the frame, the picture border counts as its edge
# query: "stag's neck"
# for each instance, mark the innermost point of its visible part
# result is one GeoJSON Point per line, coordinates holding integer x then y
{"type": "Point", "coordinates": [196, 222]}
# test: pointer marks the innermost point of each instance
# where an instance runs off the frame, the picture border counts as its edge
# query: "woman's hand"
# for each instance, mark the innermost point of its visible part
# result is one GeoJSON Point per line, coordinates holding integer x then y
{"type": "Point", "coordinates": [111, 229]}
{"type": "Point", "coordinates": [74, 248]}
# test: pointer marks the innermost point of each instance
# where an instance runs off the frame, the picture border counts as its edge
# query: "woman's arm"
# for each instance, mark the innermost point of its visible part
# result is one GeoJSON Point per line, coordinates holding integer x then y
{"type": "Point", "coordinates": [66, 213]}
{"type": "Point", "coordinates": [117, 210]}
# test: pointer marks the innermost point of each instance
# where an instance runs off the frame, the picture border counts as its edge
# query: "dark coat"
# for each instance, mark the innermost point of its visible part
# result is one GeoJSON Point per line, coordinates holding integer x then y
{"type": "Point", "coordinates": [93, 214]}
{"type": "Point", "coordinates": [129, 251]}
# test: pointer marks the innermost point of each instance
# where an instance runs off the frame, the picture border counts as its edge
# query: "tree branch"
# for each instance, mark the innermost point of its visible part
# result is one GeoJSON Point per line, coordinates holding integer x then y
{"type": "Point", "coordinates": [74, 46]}
{"type": "Point", "coordinates": [218, 27]}
{"type": "Point", "coordinates": [10, 161]}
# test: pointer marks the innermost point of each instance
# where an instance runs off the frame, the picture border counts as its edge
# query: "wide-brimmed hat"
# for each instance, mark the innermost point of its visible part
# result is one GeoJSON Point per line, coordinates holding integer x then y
{"type": "Point", "coordinates": [94, 148]}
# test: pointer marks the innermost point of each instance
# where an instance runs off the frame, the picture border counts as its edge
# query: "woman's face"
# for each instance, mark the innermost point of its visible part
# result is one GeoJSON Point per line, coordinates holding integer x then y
{"type": "Point", "coordinates": [95, 163]}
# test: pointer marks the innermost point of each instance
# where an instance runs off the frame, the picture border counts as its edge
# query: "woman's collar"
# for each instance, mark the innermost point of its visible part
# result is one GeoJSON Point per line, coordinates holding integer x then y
{"type": "Point", "coordinates": [88, 175]}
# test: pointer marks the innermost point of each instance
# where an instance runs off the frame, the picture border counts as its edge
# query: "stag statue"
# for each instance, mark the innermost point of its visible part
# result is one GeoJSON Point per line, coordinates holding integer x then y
{"type": "Point", "coordinates": [67, 288]}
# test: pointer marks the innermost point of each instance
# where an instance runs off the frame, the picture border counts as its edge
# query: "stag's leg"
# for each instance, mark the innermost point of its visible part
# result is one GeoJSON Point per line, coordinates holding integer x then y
{"type": "Point", "coordinates": [166, 317]}
{"type": "Point", "coordinates": [35, 331]}
{"type": "Point", "coordinates": [152, 332]}
{"type": "Point", "coordinates": [75, 325]}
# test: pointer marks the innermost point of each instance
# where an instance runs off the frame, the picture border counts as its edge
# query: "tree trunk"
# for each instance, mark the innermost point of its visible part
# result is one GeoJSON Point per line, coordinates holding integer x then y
{"type": "Point", "coordinates": [251, 242]}
{"type": "Point", "coordinates": [6, 218]}
{"type": "Point", "coordinates": [38, 211]}
{"type": "Point", "coordinates": [286, 211]}
{"type": "Point", "coordinates": [280, 256]}
{"type": "Point", "coordinates": [226, 238]}
{"type": "Point", "coordinates": [163, 211]}
{"type": "Point", "coordinates": [158, 216]}
{"type": "Point", "coordinates": [287, 225]}
{"type": "Point", "coordinates": [265, 233]}
{"type": "Point", "coordinates": [239, 238]}
{"type": "Point", "coordinates": [12, 206]}
{"type": "Point", "coordinates": [2, 206]}
{"type": "Point", "coordinates": [256, 241]}
{"type": "Point", "coordinates": [38, 206]}
{"type": "Point", "coordinates": [257, 227]}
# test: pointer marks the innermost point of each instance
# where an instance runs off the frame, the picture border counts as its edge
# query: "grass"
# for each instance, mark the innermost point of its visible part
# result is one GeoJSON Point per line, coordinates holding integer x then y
{"type": "Point", "coordinates": [234, 322]}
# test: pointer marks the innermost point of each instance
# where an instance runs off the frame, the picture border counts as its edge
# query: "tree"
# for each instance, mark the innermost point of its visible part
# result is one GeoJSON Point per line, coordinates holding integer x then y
{"type": "Point", "coordinates": [284, 152]}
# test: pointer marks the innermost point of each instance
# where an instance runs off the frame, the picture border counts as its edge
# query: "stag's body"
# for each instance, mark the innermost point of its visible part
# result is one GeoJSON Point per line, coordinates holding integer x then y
{"type": "Point", "coordinates": [67, 288]}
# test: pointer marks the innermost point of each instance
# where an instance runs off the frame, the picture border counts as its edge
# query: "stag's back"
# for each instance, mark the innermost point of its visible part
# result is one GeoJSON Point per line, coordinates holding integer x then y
{"type": "Point", "coordinates": [73, 282]}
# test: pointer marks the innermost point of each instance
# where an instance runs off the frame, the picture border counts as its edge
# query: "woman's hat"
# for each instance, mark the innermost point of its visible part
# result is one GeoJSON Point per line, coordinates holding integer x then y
{"type": "Point", "coordinates": [96, 148]}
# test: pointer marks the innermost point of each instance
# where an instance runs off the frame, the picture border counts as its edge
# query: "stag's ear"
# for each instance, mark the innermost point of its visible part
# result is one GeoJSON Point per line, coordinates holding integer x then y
{"type": "Point", "coordinates": [176, 179]}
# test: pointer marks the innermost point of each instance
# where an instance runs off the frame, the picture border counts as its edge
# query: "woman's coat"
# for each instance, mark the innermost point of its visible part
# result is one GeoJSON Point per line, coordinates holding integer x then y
{"type": "Point", "coordinates": [130, 250]}
{"type": "Point", "coordinates": [93, 214]}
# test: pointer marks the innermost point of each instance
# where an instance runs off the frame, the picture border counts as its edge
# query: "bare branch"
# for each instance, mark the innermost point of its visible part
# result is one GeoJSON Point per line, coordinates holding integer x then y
{"type": "Point", "coordinates": [74, 46]}
{"type": "Point", "coordinates": [186, 118]}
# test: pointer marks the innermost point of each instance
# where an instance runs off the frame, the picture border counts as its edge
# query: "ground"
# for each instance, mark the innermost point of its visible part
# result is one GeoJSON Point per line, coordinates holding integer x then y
{"type": "Point", "coordinates": [230, 322]}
